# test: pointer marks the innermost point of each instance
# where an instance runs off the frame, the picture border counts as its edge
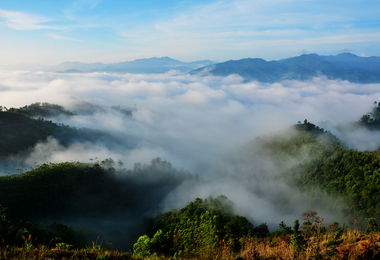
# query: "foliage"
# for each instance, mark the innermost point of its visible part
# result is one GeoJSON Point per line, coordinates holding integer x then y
{"type": "Point", "coordinates": [74, 188]}
{"type": "Point", "coordinates": [282, 230]}
{"type": "Point", "coordinates": [198, 230]}
{"type": "Point", "coordinates": [331, 175]}
{"type": "Point", "coordinates": [371, 226]}
{"type": "Point", "coordinates": [4, 223]}
{"type": "Point", "coordinates": [349, 246]}
{"type": "Point", "coordinates": [143, 246]}
{"type": "Point", "coordinates": [25, 233]}
{"type": "Point", "coordinates": [19, 132]}
{"type": "Point", "coordinates": [89, 193]}
{"type": "Point", "coordinates": [44, 110]}
{"type": "Point", "coordinates": [23, 128]}
{"type": "Point", "coordinates": [339, 243]}
{"type": "Point", "coordinates": [336, 233]}
{"type": "Point", "coordinates": [371, 120]}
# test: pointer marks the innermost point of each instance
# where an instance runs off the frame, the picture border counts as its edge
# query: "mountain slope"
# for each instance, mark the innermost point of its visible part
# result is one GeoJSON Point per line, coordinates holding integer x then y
{"type": "Point", "coordinates": [257, 69]}
{"type": "Point", "coordinates": [91, 196]}
{"type": "Point", "coordinates": [18, 132]}
{"type": "Point", "coordinates": [344, 180]}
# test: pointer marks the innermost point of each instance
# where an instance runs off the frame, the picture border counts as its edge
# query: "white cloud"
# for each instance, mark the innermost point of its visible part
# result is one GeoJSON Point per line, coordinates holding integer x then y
{"type": "Point", "coordinates": [169, 99]}
{"type": "Point", "coordinates": [60, 37]}
{"type": "Point", "coordinates": [344, 38]}
{"type": "Point", "coordinates": [23, 21]}
{"type": "Point", "coordinates": [194, 97]}
{"type": "Point", "coordinates": [189, 119]}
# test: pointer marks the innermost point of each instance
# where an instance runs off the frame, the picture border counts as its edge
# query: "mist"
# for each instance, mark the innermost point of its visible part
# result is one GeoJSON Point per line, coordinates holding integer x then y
{"type": "Point", "coordinates": [197, 123]}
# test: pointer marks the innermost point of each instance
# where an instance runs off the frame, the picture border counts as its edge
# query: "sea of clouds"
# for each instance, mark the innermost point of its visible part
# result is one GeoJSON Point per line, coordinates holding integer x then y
{"type": "Point", "coordinates": [197, 123]}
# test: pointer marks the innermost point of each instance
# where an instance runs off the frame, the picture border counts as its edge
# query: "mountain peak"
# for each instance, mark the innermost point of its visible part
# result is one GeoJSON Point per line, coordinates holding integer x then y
{"type": "Point", "coordinates": [346, 54]}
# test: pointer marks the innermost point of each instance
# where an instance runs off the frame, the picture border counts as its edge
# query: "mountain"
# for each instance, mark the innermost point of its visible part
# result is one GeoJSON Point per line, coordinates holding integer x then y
{"type": "Point", "coordinates": [250, 69]}
{"type": "Point", "coordinates": [344, 66]}
{"type": "Point", "coordinates": [151, 65]}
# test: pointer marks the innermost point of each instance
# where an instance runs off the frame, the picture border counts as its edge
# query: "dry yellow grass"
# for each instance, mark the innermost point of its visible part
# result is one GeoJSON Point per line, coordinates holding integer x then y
{"type": "Point", "coordinates": [351, 245]}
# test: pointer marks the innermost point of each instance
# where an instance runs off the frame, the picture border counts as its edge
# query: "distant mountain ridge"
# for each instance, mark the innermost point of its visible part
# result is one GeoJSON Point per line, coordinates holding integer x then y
{"type": "Point", "coordinates": [344, 66]}
{"type": "Point", "coordinates": [150, 65]}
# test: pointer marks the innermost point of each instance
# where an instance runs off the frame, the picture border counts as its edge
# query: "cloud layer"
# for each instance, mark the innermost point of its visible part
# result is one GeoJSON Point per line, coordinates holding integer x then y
{"type": "Point", "coordinates": [190, 118]}
{"type": "Point", "coordinates": [196, 123]}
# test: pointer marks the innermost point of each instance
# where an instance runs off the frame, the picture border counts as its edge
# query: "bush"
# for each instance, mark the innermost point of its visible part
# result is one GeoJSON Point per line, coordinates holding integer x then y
{"type": "Point", "coordinates": [371, 226]}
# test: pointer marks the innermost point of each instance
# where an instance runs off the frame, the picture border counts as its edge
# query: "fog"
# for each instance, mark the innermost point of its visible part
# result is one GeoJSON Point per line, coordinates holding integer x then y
{"type": "Point", "coordinates": [197, 123]}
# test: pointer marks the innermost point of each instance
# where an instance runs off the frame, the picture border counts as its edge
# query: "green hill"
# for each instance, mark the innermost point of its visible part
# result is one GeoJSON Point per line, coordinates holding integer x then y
{"type": "Point", "coordinates": [22, 128]}
{"type": "Point", "coordinates": [350, 179]}
{"type": "Point", "coordinates": [92, 196]}
{"type": "Point", "coordinates": [19, 132]}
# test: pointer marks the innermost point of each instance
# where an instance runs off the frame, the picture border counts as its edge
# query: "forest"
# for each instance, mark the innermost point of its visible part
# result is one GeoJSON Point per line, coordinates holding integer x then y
{"type": "Point", "coordinates": [101, 210]}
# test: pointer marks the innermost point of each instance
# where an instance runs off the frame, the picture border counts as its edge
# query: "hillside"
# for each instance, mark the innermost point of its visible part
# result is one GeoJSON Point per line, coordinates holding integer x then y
{"type": "Point", "coordinates": [18, 132]}
{"type": "Point", "coordinates": [91, 196]}
{"type": "Point", "coordinates": [22, 128]}
{"type": "Point", "coordinates": [350, 179]}
{"type": "Point", "coordinates": [344, 66]}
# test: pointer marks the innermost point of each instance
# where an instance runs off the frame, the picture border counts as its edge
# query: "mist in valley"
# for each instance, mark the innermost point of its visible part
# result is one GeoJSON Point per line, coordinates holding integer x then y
{"type": "Point", "coordinates": [203, 125]}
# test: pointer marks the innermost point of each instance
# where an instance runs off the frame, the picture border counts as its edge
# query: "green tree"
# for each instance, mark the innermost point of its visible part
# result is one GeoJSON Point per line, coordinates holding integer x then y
{"type": "Point", "coordinates": [142, 248]}
{"type": "Point", "coordinates": [198, 230]}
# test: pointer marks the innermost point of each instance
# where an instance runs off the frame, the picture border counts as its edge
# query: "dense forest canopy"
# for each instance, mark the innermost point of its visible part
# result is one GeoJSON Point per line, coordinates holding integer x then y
{"type": "Point", "coordinates": [348, 175]}
{"type": "Point", "coordinates": [86, 195]}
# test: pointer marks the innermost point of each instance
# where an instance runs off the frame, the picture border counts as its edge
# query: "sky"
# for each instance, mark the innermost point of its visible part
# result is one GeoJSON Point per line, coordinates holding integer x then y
{"type": "Point", "coordinates": [50, 32]}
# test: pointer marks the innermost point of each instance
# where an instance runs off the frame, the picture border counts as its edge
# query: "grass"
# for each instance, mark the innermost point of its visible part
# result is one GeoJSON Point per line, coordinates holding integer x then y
{"type": "Point", "coordinates": [43, 252]}
{"type": "Point", "coordinates": [353, 244]}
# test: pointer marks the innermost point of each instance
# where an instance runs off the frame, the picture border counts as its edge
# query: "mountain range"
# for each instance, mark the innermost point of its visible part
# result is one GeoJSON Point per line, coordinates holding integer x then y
{"type": "Point", "coordinates": [151, 65]}
{"type": "Point", "coordinates": [344, 66]}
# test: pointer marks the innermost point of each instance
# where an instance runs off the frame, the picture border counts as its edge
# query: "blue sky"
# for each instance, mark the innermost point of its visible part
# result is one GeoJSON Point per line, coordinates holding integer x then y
{"type": "Point", "coordinates": [49, 32]}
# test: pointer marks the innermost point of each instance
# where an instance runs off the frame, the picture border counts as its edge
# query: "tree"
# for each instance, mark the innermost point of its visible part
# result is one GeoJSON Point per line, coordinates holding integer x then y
{"type": "Point", "coordinates": [4, 223]}
{"type": "Point", "coordinates": [142, 248]}
{"type": "Point", "coordinates": [198, 230]}
{"type": "Point", "coordinates": [120, 163]}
